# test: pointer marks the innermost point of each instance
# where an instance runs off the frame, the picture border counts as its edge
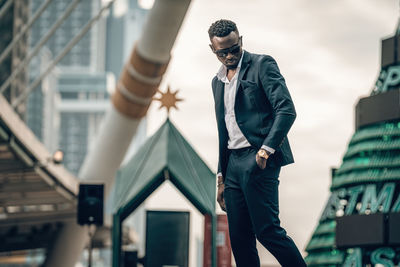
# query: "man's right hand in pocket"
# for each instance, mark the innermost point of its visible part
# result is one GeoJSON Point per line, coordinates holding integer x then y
{"type": "Point", "coordinates": [220, 193]}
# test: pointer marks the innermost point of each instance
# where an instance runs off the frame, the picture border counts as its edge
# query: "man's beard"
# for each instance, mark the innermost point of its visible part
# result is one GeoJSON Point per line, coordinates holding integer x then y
{"type": "Point", "coordinates": [232, 67]}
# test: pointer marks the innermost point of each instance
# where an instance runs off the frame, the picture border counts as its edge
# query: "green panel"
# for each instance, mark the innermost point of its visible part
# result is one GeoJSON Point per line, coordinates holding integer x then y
{"type": "Point", "coordinates": [374, 161]}
{"type": "Point", "coordinates": [325, 228]}
{"type": "Point", "coordinates": [320, 242]}
{"type": "Point", "coordinates": [136, 198]}
{"type": "Point", "coordinates": [325, 258]}
{"type": "Point", "coordinates": [369, 147]}
{"type": "Point", "coordinates": [184, 162]}
{"type": "Point", "coordinates": [366, 176]}
{"type": "Point", "coordinates": [146, 164]}
{"type": "Point", "coordinates": [376, 132]}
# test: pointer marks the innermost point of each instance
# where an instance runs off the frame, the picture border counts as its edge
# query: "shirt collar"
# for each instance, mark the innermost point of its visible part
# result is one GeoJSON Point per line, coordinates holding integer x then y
{"type": "Point", "coordinates": [221, 74]}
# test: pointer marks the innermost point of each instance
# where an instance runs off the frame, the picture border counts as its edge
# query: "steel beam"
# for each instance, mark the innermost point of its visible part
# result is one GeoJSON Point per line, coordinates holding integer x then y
{"type": "Point", "coordinates": [24, 30]}
{"type": "Point", "coordinates": [5, 8]}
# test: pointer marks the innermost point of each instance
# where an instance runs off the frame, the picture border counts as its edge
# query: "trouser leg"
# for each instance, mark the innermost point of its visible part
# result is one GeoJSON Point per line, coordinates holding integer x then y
{"type": "Point", "coordinates": [241, 233]}
{"type": "Point", "coordinates": [261, 194]}
{"type": "Point", "coordinates": [242, 236]}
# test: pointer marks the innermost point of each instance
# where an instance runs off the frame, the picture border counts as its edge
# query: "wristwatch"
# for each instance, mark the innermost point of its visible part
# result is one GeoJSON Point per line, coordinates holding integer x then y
{"type": "Point", "coordinates": [263, 153]}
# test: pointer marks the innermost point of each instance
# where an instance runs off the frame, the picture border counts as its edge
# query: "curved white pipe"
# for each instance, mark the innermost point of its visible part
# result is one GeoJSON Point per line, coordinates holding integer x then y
{"type": "Point", "coordinates": [161, 29]}
{"type": "Point", "coordinates": [114, 138]}
{"type": "Point", "coordinates": [149, 60]}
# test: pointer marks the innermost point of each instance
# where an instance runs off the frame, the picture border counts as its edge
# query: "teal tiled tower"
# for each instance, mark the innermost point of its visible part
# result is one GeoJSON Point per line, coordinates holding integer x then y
{"type": "Point", "coordinates": [368, 180]}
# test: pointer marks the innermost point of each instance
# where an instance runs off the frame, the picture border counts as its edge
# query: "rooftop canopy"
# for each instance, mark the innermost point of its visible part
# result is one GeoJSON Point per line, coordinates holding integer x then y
{"type": "Point", "coordinates": [36, 194]}
{"type": "Point", "coordinates": [165, 156]}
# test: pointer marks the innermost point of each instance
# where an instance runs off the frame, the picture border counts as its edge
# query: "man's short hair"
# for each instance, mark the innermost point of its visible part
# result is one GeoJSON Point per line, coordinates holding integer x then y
{"type": "Point", "coordinates": [221, 28]}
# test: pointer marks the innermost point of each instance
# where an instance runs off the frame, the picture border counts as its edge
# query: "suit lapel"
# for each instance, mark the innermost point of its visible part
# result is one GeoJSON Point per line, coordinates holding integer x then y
{"type": "Point", "coordinates": [243, 69]}
{"type": "Point", "coordinates": [219, 99]}
{"type": "Point", "coordinates": [220, 87]}
{"type": "Point", "coordinates": [245, 65]}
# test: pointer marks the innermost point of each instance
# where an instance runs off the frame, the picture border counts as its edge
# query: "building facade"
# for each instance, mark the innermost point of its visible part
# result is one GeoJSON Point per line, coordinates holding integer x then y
{"type": "Point", "coordinates": [79, 92]}
{"type": "Point", "coordinates": [360, 222]}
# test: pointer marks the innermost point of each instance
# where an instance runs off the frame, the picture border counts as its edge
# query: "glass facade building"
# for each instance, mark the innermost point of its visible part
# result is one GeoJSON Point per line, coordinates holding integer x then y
{"type": "Point", "coordinates": [359, 224]}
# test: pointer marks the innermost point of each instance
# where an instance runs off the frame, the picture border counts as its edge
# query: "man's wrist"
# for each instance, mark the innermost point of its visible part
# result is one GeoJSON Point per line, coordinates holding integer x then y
{"type": "Point", "coordinates": [220, 180]}
{"type": "Point", "coordinates": [263, 153]}
{"type": "Point", "coordinates": [269, 149]}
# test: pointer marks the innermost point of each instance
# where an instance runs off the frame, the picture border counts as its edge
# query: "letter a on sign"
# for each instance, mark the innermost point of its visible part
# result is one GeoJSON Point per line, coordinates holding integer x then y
{"type": "Point", "coordinates": [354, 259]}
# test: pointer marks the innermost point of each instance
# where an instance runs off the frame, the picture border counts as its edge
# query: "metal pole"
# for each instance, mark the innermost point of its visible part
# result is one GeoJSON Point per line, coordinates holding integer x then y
{"type": "Point", "coordinates": [5, 7]}
{"type": "Point", "coordinates": [90, 253]}
{"type": "Point", "coordinates": [92, 230]}
{"type": "Point", "coordinates": [26, 61]}
{"type": "Point", "coordinates": [214, 223]}
{"type": "Point", "coordinates": [60, 56]}
{"type": "Point", "coordinates": [23, 31]}
{"type": "Point", "coordinates": [116, 240]}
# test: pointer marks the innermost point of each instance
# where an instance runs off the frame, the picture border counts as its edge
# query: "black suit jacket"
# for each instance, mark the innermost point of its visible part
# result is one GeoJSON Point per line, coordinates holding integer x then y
{"type": "Point", "coordinates": [263, 108]}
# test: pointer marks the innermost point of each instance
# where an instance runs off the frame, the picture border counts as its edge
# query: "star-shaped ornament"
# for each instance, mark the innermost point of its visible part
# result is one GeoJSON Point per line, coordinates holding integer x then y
{"type": "Point", "coordinates": [168, 99]}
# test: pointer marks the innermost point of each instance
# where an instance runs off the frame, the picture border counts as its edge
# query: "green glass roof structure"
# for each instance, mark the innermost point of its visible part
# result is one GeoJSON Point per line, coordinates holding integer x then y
{"type": "Point", "coordinates": [368, 180]}
{"type": "Point", "coordinates": [164, 156]}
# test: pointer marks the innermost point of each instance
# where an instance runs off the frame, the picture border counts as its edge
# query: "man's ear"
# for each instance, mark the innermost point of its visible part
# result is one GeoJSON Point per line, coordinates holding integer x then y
{"type": "Point", "coordinates": [212, 48]}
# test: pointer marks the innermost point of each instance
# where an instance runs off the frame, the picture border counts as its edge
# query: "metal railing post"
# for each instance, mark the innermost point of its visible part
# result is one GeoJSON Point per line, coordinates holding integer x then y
{"type": "Point", "coordinates": [23, 31]}
{"type": "Point", "coordinates": [5, 7]}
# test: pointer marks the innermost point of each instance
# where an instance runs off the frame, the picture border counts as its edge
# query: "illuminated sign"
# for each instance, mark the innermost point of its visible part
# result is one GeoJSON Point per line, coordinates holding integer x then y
{"type": "Point", "coordinates": [385, 256]}
{"type": "Point", "coordinates": [366, 199]}
{"type": "Point", "coordinates": [387, 80]}
{"type": "Point", "coordinates": [362, 199]}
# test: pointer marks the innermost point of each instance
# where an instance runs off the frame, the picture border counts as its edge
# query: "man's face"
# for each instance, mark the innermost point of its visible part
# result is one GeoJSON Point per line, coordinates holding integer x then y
{"type": "Point", "coordinates": [228, 49]}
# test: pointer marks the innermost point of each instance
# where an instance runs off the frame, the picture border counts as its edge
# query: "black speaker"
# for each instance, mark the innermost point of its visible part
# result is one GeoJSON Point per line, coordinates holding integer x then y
{"type": "Point", "coordinates": [394, 228]}
{"type": "Point", "coordinates": [167, 238]}
{"type": "Point", "coordinates": [130, 258]}
{"type": "Point", "coordinates": [90, 204]}
{"type": "Point", "coordinates": [360, 230]}
{"type": "Point", "coordinates": [378, 108]}
{"type": "Point", "coordinates": [388, 50]}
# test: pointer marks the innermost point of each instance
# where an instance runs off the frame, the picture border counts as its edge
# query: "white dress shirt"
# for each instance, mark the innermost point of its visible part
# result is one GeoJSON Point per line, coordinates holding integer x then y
{"type": "Point", "coordinates": [236, 137]}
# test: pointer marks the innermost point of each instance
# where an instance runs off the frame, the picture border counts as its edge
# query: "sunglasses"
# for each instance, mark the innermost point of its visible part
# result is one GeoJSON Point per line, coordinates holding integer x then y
{"type": "Point", "coordinates": [231, 50]}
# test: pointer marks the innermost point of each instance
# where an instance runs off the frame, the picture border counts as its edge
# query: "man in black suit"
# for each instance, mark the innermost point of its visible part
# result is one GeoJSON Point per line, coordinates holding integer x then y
{"type": "Point", "coordinates": [254, 113]}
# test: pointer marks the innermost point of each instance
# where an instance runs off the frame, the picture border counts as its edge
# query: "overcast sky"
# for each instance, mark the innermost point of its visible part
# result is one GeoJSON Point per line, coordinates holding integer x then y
{"type": "Point", "coordinates": [329, 54]}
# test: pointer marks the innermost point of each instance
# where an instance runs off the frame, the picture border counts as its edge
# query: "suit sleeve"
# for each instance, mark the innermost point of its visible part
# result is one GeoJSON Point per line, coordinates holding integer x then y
{"type": "Point", "coordinates": [278, 95]}
{"type": "Point", "coordinates": [219, 172]}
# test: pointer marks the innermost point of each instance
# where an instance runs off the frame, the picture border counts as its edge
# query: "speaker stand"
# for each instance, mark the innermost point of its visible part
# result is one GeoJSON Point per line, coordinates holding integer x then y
{"type": "Point", "coordinates": [92, 230]}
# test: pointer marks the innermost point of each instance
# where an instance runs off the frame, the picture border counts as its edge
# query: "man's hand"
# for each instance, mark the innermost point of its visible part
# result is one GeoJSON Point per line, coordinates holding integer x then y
{"type": "Point", "coordinates": [261, 160]}
{"type": "Point", "coordinates": [220, 193]}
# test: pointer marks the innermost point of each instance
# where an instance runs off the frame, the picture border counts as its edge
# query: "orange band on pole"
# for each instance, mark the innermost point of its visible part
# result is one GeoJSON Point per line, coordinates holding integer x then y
{"type": "Point", "coordinates": [138, 87]}
{"type": "Point", "coordinates": [128, 108]}
{"type": "Point", "coordinates": [147, 67]}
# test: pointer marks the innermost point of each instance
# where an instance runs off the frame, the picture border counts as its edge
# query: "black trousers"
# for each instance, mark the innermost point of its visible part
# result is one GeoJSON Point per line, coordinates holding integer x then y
{"type": "Point", "coordinates": [251, 198]}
